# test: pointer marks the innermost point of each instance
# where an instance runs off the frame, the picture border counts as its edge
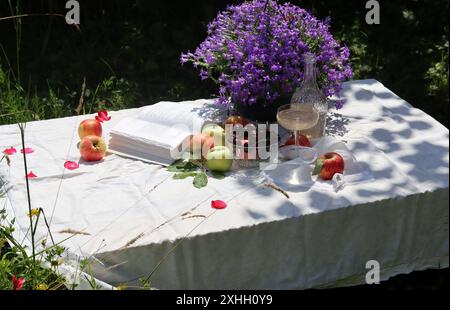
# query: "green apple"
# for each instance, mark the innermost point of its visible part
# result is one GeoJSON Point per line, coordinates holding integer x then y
{"type": "Point", "coordinates": [215, 131]}
{"type": "Point", "coordinates": [219, 159]}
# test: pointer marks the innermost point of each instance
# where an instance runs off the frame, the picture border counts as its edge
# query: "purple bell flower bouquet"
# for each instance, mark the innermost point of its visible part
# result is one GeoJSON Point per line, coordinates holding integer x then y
{"type": "Point", "coordinates": [254, 52]}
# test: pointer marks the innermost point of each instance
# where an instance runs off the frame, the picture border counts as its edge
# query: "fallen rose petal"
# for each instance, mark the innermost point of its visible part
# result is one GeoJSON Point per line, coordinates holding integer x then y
{"type": "Point", "coordinates": [31, 175]}
{"type": "Point", "coordinates": [27, 150]}
{"type": "Point", "coordinates": [17, 283]}
{"type": "Point", "coordinates": [105, 115]}
{"type": "Point", "coordinates": [102, 116]}
{"type": "Point", "coordinates": [10, 151]}
{"type": "Point", "coordinates": [218, 204]}
{"type": "Point", "coordinates": [71, 165]}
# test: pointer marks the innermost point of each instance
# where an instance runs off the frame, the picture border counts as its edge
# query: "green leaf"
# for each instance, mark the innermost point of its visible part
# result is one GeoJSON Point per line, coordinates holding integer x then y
{"type": "Point", "coordinates": [197, 163]}
{"type": "Point", "coordinates": [200, 180]}
{"type": "Point", "coordinates": [218, 175]}
{"type": "Point", "coordinates": [184, 175]}
{"type": "Point", "coordinates": [183, 166]}
{"type": "Point", "coordinates": [318, 167]}
{"type": "Point", "coordinates": [190, 166]}
{"type": "Point", "coordinates": [174, 167]}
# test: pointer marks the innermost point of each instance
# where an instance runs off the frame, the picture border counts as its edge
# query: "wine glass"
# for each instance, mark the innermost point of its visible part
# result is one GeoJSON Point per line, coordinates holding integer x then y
{"type": "Point", "coordinates": [297, 117]}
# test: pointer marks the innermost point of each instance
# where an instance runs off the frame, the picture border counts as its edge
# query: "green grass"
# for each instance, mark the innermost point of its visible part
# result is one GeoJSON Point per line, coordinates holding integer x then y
{"type": "Point", "coordinates": [18, 105]}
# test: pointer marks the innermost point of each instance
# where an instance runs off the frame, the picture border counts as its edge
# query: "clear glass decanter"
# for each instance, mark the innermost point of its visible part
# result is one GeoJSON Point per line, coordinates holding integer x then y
{"type": "Point", "coordinates": [309, 93]}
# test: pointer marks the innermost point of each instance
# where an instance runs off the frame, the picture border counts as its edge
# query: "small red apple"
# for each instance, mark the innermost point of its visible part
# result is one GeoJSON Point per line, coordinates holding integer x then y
{"type": "Point", "coordinates": [328, 165]}
{"type": "Point", "coordinates": [302, 139]}
{"type": "Point", "coordinates": [201, 144]}
{"type": "Point", "coordinates": [90, 127]}
{"type": "Point", "coordinates": [92, 148]}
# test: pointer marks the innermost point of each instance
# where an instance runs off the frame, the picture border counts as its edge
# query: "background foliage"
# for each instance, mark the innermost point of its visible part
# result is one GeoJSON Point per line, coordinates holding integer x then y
{"type": "Point", "coordinates": [129, 52]}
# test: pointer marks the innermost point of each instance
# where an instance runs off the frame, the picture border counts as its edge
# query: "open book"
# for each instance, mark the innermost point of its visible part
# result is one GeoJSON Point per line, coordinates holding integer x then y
{"type": "Point", "coordinates": [156, 133]}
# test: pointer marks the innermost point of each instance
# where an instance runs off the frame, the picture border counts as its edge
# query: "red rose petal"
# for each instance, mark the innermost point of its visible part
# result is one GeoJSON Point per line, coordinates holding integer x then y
{"type": "Point", "coordinates": [27, 150]}
{"type": "Point", "coordinates": [218, 204]}
{"type": "Point", "coordinates": [17, 283]}
{"type": "Point", "coordinates": [10, 151]}
{"type": "Point", "coordinates": [31, 175]}
{"type": "Point", "coordinates": [71, 165]}
{"type": "Point", "coordinates": [102, 116]}
{"type": "Point", "coordinates": [105, 115]}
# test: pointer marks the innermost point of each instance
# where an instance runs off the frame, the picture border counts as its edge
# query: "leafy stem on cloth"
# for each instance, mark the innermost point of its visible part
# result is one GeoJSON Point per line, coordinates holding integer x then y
{"type": "Point", "coordinates": [193, 168]}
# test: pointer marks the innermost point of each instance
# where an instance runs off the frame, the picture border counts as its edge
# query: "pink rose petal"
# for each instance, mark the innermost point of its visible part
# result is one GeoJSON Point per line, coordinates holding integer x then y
{"type": "Point", "coordinates": [31, 175]}
{"type": "Point", "coordinates": [27, 150]}
{"type": "Point", "coordinates": [218, 204]}
{"type": "Point", "coordinates": [71, 165]}
{"type": "Point", "coordinates": [10, 151]}
{"type": "Point", "coordinates": [102, 116]}
{"type": "Point", "coordinates": [17, 283]}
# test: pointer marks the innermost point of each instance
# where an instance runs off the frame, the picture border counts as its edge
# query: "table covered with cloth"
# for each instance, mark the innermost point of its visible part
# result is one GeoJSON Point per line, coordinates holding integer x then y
{"type": "Point", "coordinates": [133, 220]}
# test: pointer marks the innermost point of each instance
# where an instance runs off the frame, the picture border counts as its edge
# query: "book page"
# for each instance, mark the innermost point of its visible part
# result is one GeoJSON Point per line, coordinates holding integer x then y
{"type": "Point", "coordinates": [142, 132]}
{"type": "Point", "coordinates": [174, 114]}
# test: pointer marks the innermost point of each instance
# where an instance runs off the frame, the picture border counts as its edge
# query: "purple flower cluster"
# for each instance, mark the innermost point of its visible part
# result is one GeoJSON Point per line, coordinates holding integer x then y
{"type": "Point", "coordinates": [254, 51]}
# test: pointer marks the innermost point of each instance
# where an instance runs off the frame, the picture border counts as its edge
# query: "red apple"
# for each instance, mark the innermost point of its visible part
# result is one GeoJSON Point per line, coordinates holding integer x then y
{"type": "Point", "coordinates": [201, 144]}
{"type": "Point", "coordinates": [92, 148]}
{"type": "Point", "coordinates": [90, 127]}
{"type": "Point", "coordinates": [328, 165]}
{"type": "Point", "coordinates": [302, 139]}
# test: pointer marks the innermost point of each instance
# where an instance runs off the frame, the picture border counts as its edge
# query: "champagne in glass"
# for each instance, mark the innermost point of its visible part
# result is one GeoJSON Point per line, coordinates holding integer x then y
{"type": "Point", "coordinates": [297, 117]}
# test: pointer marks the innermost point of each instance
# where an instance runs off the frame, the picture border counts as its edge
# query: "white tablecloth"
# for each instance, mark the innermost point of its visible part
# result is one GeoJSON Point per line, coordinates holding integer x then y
{"type": "Point", "coordinates": [134, 213]}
